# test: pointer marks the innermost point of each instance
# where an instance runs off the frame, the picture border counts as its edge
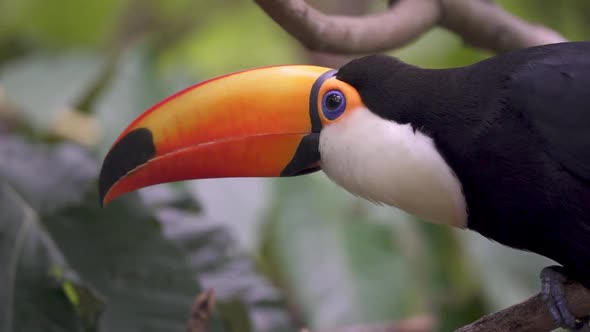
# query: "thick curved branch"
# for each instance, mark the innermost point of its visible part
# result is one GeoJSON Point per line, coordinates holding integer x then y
{"type": "Point", "coordinates": [532, 315]}
{"type": "Point", "coordinates": [348, 34]}
{"type": "Point", "coordinates": [479, 22]}
{"type": "Point", "coordinates": [485, 25]}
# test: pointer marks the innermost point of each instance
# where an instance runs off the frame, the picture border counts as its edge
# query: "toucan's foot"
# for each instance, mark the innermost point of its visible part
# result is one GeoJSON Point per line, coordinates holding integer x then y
{"type": "Point", "coordinates": [552, 281]}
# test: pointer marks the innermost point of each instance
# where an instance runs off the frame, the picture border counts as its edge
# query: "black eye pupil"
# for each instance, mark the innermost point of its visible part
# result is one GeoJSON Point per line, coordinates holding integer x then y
{"type": "Point", "coordinates": [333, 101]}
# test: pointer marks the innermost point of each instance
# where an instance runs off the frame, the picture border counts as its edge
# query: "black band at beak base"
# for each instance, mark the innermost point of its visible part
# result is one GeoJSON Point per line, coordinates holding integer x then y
{"type": "Point", "coordinates": [306, 157]}
{"type": "Point", "coordinates": [316, 124]}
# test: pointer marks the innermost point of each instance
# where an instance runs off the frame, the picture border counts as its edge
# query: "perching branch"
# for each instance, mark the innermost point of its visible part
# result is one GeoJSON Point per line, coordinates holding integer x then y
{"type": "Point", "coordinates": [485, 25]}
{"type": "Point", "coordinates": [532, 314]}
{"type": "Point", "coordinates": [479, 22]}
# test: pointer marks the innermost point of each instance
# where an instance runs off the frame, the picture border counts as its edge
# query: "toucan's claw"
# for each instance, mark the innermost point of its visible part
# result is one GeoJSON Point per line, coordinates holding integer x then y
{"type": "Point", "coordinates": [552, 280]}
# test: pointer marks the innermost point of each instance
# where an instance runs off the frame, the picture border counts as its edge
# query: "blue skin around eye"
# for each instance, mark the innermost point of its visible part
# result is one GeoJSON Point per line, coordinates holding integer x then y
{"type": "Point", "coordinates": [335, 113]}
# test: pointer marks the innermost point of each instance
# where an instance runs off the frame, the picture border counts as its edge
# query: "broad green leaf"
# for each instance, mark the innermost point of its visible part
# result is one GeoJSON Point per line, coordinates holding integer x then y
{"type": "Point", "coordinates": [247, 302]}
{"type": "Point", "coordinates": [39, 291]}
{"type": "Point", "coordinates": [338, 269]}
{"type": "Point", "coordinates": [145, 279]}
{"type": "Point", "coordinates": [50, 177]}
{"type": "Point", "coordinates": [43, 86]}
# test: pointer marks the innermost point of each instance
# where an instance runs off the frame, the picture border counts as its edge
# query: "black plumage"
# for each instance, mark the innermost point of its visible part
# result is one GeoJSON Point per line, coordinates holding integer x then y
{"type": "Point", "coordinates": [515, 129]}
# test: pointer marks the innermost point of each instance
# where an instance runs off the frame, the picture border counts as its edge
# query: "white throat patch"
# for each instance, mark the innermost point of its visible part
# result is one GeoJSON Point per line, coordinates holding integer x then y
{"type": "Point", "coordinates": [389, 163]}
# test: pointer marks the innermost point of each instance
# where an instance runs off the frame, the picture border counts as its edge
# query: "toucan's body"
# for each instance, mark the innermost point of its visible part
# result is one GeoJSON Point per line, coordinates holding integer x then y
{"type": "Point", "coordinates": [501, 147]}
{"type": "Point", "coordinates": [515, 129]}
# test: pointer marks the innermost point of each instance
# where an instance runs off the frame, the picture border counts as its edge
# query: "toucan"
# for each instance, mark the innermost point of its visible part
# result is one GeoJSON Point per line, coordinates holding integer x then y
{"type": "Point", "coordinates": [501, 146]}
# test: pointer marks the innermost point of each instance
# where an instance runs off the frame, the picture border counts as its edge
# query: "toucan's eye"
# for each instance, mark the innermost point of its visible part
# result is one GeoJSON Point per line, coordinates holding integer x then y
{"type": "Point", "coordinates": [333, 104]}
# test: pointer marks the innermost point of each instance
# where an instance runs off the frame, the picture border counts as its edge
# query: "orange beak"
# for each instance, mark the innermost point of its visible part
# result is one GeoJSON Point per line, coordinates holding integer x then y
{"type": "Point", "coordinates": [255, 123]}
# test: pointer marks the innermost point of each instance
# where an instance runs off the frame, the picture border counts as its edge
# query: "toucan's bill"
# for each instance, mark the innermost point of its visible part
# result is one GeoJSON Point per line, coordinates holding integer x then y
{"type": "Point", "coordinates": [255, 123]}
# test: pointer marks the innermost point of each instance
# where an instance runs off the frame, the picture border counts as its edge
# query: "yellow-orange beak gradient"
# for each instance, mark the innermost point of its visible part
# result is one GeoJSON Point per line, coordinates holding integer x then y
{"type": "Point", "coordinates": [255, 123]}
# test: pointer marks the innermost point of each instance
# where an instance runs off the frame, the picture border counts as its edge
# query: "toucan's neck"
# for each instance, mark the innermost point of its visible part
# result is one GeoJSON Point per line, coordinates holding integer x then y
{"type": "Point", "coordinates": [425, 98]}
{"type": "Point", "coordinates": [428, 99]}
{"type": "Point", "coordinates": [389, 163]}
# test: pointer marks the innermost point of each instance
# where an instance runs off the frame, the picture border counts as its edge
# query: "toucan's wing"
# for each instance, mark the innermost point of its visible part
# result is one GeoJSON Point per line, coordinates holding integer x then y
{"type": "Point", "coordinates": [554, 97]}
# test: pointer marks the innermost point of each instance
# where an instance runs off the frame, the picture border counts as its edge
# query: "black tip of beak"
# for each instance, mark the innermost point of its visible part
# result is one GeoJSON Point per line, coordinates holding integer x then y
{"type": "Point", "coordinates": [134, 149]}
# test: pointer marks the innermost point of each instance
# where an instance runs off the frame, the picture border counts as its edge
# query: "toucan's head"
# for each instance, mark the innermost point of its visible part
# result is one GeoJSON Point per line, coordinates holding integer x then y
{"type": "Point", "coordinates": [288, 121]}
{"type": "Point", "coordinates": [263, 122]}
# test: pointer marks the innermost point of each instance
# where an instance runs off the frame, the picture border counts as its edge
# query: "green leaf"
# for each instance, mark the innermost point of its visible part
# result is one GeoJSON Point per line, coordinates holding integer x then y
{"type": "Point", "coordinates": [42, 85]}
{"type": "Point", "coordinates": [146, 280]}
{"type": "Point", "coordinates": [50, 177]}
{"type": "Point", "coordinates": [337, 270]}
{"type": "Point", "coordinates": [147, 276]}
{"type": "Point", "coordinates": [34, 296]}
{"type": "Point", "coordinates": [246, 301]}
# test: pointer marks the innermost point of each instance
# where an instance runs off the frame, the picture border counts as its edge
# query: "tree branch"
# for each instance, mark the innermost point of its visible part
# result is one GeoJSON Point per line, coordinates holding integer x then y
{"type": "Point", "coordinates": [532, 314]}
{"type": "Point", "coordinates": [485, 25]}
{"type": "Point", "coordinates": [348, 34]}
{"type": "Point", "coordinates": [479, 22]}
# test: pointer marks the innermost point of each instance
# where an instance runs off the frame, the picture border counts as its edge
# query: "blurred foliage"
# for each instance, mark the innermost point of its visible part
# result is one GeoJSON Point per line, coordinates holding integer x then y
{"type": "Point", "coordinates": [280, 254]}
